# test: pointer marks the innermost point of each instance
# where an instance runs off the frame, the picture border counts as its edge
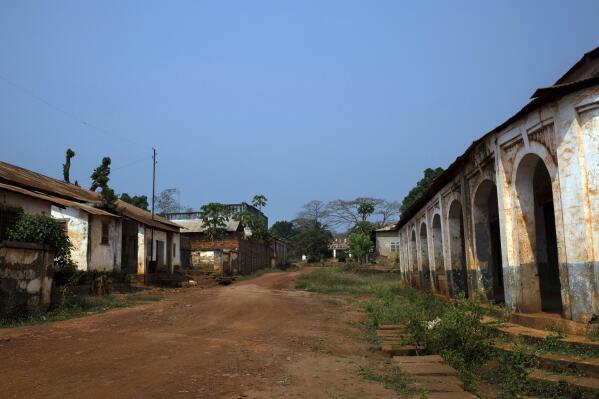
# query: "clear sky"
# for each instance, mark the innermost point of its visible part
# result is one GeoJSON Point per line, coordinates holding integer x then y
{"type": "Point", "coordinates": [297, 100]}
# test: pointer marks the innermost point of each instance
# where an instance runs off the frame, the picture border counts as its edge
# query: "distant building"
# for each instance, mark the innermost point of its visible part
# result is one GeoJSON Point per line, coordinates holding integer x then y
{"type": "Point", "coordinates": [387, 241]}
{"type": "Point", "coordinates": [235, 253]}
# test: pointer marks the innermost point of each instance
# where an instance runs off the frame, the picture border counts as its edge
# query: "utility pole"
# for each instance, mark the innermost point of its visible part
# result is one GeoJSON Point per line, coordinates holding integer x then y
{"type": "Point", "coordinates": [153, 196]}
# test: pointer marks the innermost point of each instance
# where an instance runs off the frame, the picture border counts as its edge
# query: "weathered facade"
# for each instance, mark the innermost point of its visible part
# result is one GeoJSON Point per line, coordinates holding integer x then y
{"type": "Point", "coordinates": [387, 242]}
{"type": "Point", "coordinates": [115, 240]}
{"type": "Point", "coordinates": [516, 217]}
{"type": "Point", "coordinates": [26, 275]}
{"type": "Point", "coordinates": [234, 253]}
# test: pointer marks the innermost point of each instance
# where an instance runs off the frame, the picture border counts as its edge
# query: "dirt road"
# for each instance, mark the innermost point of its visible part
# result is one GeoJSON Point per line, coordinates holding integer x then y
{"type": "Point", "coordinates": [254, 339]}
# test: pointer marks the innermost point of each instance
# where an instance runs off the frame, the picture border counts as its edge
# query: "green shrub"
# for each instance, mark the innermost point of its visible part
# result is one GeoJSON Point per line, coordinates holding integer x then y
{"type": "Point", "coordinates": [43, 229]}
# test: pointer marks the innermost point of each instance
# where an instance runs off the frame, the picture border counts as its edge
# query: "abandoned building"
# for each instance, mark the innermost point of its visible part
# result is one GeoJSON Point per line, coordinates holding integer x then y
{"type": "Point", "coordinates": [234, 253]}
{"type": "Point", "coordinates": [116, 240]}
{"type": "Point", "coordinates": [516, 217]}
{"type": "Point", "coordinates": [387, 242]}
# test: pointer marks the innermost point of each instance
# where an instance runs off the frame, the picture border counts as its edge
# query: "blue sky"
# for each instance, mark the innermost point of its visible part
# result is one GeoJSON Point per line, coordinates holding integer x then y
{"type": "Point", "coordinates": [297, 100]}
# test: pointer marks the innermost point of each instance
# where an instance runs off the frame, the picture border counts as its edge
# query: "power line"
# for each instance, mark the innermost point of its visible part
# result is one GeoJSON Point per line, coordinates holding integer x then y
{"type": "Point", "coordinates": [133, 163]}
{"type": "Point", "coordinates": [66, 113]}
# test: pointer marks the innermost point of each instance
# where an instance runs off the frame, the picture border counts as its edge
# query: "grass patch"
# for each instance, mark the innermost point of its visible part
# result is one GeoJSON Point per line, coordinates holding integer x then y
{"type": "Point", "coordinates": [453, 330]}
{"type": "Point", "coordinates": [73, 306]}
{"type": "Point", "coordinates": [390, 376]}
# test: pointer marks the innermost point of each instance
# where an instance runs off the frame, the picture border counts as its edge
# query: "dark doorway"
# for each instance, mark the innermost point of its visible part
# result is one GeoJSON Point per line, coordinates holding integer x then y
{"type": "Point", "coordinates": [439, 265]}
{"type": "Point", "coordinates": [160, 255]}
{"type": "Point", "coordinates": [425, 275]}
{"type": "Point", "coordinates": [458, 248]}
{"type": "Point", "coordinates": [129, 247]}
{"type": "Point", "coordinates": [488, 240]}
{"type": "Point", "coordinates": [546, 242]}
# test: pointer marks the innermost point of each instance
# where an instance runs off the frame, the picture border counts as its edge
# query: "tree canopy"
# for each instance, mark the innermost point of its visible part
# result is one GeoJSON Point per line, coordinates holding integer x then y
{"type": "Point", "coordinates": [167, 201]}
{"type": "Point", "coordinates": [214, 217]}
{"type": "Point", "coordinates": [429, 176]}
{"type": "Point", "coordinates": [140, 201]}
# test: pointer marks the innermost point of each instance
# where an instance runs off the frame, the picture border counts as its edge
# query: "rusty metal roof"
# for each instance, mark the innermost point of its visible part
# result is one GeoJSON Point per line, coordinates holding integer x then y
{"type": "Point", "coordinates": [56, 200]}
{"type": "Point", "coordinates": [35, 182]}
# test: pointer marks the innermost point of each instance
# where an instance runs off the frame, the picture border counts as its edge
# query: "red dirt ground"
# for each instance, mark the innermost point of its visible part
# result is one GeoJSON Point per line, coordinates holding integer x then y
{"type": "Point", "coordinates": [254, 339]}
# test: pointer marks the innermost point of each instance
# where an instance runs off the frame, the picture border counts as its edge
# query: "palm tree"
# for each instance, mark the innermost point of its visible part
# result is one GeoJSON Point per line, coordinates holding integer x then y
{"type": "Point", "coordinates": [259, 201]}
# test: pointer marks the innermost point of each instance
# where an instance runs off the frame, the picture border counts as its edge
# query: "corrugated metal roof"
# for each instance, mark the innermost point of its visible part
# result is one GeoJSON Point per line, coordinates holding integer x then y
{"type": "Point", "coordinates": [389, 227]}
{"type": "Point", "coordinates": [197, 226]}
{"type": "Point", "coordinates": [21, 177]}
{"type": "Point", "coordinates": [57, 201]}
{"type": "Point", "coordinates": [565, 88]}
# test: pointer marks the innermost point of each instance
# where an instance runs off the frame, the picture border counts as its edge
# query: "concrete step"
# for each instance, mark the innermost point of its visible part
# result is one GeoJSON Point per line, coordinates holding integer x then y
{"type": "Point", "coordinates": [399, 350]}
{"type": "Point", "coordinates": [548, 321]}
{"type": "Point", "coordinates": [587, 366]}
{"type": "Point", "coordinates": [429, 374]}
{"type": "Point", "coordinates": [514, 330]}
{"type": "Point", "coordinates": [584, 384]}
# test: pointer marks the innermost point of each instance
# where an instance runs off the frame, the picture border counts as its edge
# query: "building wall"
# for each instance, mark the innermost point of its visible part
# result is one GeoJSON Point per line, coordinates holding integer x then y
{"type": "Point", "coordinates": [104, 257]}
{"type": "Point", "coordinates": [383, 243]}
{"type": "Point", "coordinates": [26, 274]}
{"type": "Point", "coordinates": [232, 255]}
{"type": "Point", "coordinates": [557, 144]}
{"type": "Point", "coordinates": [32, 206]}
{"type": "Point", "coordinates": [77, 230]}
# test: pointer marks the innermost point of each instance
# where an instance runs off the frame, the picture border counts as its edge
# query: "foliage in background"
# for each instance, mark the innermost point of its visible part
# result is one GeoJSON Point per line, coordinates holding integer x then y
{"type": "Point", "coordinates": [311, 238]}
{"type": "Point", "coordinates": [167, 201]}
{"type": "Point", "coordinates": [347, 213]}
{"type": "Point", "coordinates": [214, 217]}
{"type": "Point", "coordinates": [140, 201]}
{"type": "Point", "coordinates": [259, 201]}
{"type": "Point", "coordinates": [66, 166]}
{"type": "Point", "coordinates": [283, 230]}
{"type": "Point", "coordinates": [100, 175]}
{"type": "Point", "coordinates": [429, 176]}
{"type": "Point", "coordinates": [43, 229]}
{"type": "Point", "coordinates": [360, 245]}
{"type": "Point", "coordinates": [314, 210]}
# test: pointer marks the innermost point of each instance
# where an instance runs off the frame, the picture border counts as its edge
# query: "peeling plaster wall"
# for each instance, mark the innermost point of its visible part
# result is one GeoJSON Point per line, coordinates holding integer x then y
{"type": "Point", "coordinates": [564, 135]}
{"type": "Point", "coordinates": [77, 230]}
{"type": "Point", "coordinates": [141, 249]}
{"type": "Point", "coordinates": [26, 274]}
{"type": "Point", "coordinates": [105, 257]}
{"type": "Point", "coordinates": [383, 243]}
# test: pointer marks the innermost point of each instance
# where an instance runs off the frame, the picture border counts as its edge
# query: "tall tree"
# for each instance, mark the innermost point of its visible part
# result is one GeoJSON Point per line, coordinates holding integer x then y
{"type": "Point", "coordinates": [388, 211]}
{"type": "Point", "coordinates": [167, 201]}
{"type": "Point", "coordinates": [100, 175]}
{"type": "Point", "coordinates": [283, 230]}
{"type": "Point", "coordinates": [66, 166]}
{"type": "Point", "coordinates": [342, 213]}
{"type": "Point", "coordinates": [365, 209]}
{"type": "Point", "coordinates": [313, 210]}
{"type": "Point", "coordinates": [421, 187]}
{"type": "Point", "coordinates": [311, 239]}
{"type": "Point", "coordinates": [214, 217]}
{"type": "Point", "coordinates": [140, 201]}
{"type": "Point", "coordinates": [259, 201]}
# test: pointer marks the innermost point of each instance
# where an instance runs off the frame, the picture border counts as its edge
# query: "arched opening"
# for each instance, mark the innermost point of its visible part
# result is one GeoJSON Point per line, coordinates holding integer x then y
{"type": "Point", "coordinates": [488, 240]}
{"type": "Point", "coordinates": [413, 259]}
{"type": "Point", "coordinates": [425, 274]}
{"type": "Point", "coordinates": [439, 274]}
{"type": "Point", "coordinates": [539, 267]}
{"type": "Point", "coordinates": [457, 247]}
